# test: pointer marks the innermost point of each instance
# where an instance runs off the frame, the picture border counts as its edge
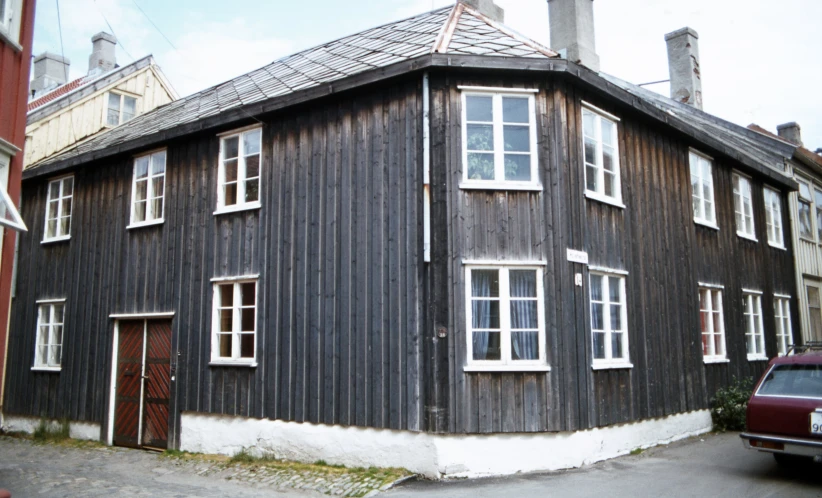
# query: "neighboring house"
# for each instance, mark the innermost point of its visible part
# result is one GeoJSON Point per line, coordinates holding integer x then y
{"type": "Point", "coordinates": [63, 114]}
{"type": "Point", "coordinates": [16, 31]}
{"type": "Point", "coordinates": [436, 226]}
{"type": "Point", "coordinates": [806, 221]}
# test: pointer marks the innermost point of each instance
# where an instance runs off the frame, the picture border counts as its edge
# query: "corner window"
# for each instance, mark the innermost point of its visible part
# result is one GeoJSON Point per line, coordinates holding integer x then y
{"type": "Point", "coordinates": [804, 210]}
{"type": "Point", "coordinates": [499, 139]}
{"type": "Point", "coordinates": [58, 209]}
{"type": "Point", "coordinates": [504, 313]}
{"type": "Point", "coordinates": [234, 330]}
{"type": "Point", "coordinates": [752, 314]}
{"type": "Point", "coordinates": [743, 206]}
{"type": "Point", "coordinates": [773, 217]}
{"type": "Point", "coordinates": [702, 189]}
{"type": "Point", "coordinates": [148, 189]}
{"type": "Point", "coordinates": [784, 334]}
{"type": "Point", "coordinates": [49, 340]}
{"type": "Point", "coordinates": [609, 327]}
{"type": "Point", "coordinates": [10, 13]}
{"type": "Point", "coordinates": [239, 171]}
{"type": "Point", "coordinates": [121, 108]}
{"type": "Point", "coordinates": [601, 157]}
{"type": "Point", "coordinates": [712, 325]}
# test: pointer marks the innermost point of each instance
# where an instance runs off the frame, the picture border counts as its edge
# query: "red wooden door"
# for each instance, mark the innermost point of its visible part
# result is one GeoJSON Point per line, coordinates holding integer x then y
{"type": "Point", "coordinates": [143, 383]}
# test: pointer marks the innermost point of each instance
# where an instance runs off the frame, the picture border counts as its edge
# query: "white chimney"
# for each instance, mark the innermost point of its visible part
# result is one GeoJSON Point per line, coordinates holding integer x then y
{"type": "Point", "coordinates": [102, 58]}
{"type": "Point", "coordinates": [683, 66]}
{"type": "Point", "coordinates": [50, 72]}
{"type": "Point", "coordinates": [790, 132]}
{"type": "Point", "coordinates": [487, 8]}
{"type": "Point", "coordinates": [572, 31]}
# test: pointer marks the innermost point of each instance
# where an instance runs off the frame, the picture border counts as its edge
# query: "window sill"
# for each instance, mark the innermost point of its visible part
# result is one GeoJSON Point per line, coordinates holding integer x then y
{"type": "Point", "coordinates": [777, 246]}
{"type": "Point", "coordinates": [709, 361]}
{"type": "Point", "coordinates": [757, 357]}
{"type": "Point", "coordinates": [45, 369]}
{"type": "Point", "coordinates": [506, 368]}
{"type": "Point", "coordinates": [745, 236]}
{"type": "Point", "coordinates": [55, 239]}
{"type": "Point", "coordinates": [244, 364]}
{"type": "Point", "coordinates": [237, 208]}
{"type": "Point", "coordinates": [494, 185]}
{"type": "Point", "coordinates": [603, 199]}
{"type": "Point", "coordinates": [807, 239]}
{"type": "Point", "coordinates": [611, 365]}
{"type": "Point", "coordinates": [707, 224]}
{"type": "Point", "coordinates": [146, 224]}
{"type": "Point", "coordinates": [4, 36]}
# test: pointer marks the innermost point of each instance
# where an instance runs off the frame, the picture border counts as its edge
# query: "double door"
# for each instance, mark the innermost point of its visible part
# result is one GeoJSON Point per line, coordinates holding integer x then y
{"type": "Point", "coordinates": [143, 386]}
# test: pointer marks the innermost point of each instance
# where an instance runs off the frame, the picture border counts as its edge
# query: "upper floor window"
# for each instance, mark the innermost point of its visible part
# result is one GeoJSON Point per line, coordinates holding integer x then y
{"type": "Point", "coordinates": [10, 14]}
{"type": "Point", "coordinates": [49, 339]}
{"type": "Point", "coordinates": [609, 318]}
{"type": "Point", "coordinates": [601, 157]}
{"type": "Point", "coordinates": [58, 209]}
{"type": "Point", "coordinates": [504, 312]}
{"type": "Point", "coordinates": [784, 334]}
{"type": "Point", "coordinates": [148, 189]}
{"type": "Point", "coordinates": [702, 189]}
{"type": "Point", "coordinates": [234, 330]}
{"type": "Point", "coordinates": [804, 210]}
{"type": "Point", "coordinates": [743, 206]}
{"type": "Point", "coordinates": [712, 323]}
{"type": "Point", "coordinates": [239, 171]}
{"type": "Point", "coordinates": [773, 217]}
{"type": "Point", "coordinates": [754, 335]}
{"type": "Point", "coordinates": [499, 139]}
{"type": "Point", "coordinates": [121, 108]}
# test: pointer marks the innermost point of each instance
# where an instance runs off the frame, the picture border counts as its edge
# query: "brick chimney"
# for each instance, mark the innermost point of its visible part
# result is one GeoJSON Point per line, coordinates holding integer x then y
{"type": "Point", "coordinates": [790, 132]}
{"type": "Point", "coordinates": [683, 66]}
{"type": "Point", "coordinates": [50, 72]}
{"type": "Point", "coordinates": [487, 8]}
{"type": "Point", "coordinates": [572, 31]}
{"type": "Point", "coordinates": [102, 58]}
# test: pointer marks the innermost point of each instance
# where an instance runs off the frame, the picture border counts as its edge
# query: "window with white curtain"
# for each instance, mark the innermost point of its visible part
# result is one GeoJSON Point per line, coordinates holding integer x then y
{"type": "Point", "coordinates": [702, 189]}
{"type": "Point", "coordinates": [505, 316]}
{"type": "Point", "coordinates": [239, 171]}
{"type": "Point", "coordinates": [743, 206]}
{"type": "Point", "coordinates": [148, 189]}
{"type": "Point", "coordinates": [712, 324]}
{"type": "Point", "coordinates": [48, 349]}
{"type": "Point", "coordinates": [804, 208]}
{"type": "Point", "coordinates": [601, 157]}
{"type": "Point", "coordinates": [58, 209]}
{"type": "Point", "coordinates": [773, 218]}
{"type": "Point", "coordinates": [782, 313]}
{"type": "Point", "coordinates": [754, 335]}
{"type": "Point", "coordinates": [609, 320]}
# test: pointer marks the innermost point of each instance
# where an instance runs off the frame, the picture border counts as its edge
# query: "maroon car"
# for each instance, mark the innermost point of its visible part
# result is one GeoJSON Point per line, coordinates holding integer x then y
{"type": "Point", "coordinates": [785, 410]}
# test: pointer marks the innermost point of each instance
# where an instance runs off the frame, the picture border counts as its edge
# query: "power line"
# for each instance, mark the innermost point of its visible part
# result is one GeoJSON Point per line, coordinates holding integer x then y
{"type": "Point", "coordinates": [60, 30]}
{"type": "Point", "coordinates": [112, 31]}
{"type": "Point", "coordinates": [155, 26]}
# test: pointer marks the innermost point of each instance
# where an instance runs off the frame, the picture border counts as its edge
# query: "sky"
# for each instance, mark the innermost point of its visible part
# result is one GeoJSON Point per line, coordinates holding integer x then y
{"type": "Point", "coordinates": [761, 60]}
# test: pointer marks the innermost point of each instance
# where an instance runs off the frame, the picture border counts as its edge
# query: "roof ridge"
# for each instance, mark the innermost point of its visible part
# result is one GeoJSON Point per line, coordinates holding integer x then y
{"type": "Point", "coordinates": [447, 31]}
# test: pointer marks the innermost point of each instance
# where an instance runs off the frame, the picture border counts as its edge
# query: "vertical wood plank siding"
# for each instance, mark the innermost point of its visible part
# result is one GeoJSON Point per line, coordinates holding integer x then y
{"type": "Point", "coordinates": [654, 238]}
{"type": "Point", "coordinates": [337, 243]}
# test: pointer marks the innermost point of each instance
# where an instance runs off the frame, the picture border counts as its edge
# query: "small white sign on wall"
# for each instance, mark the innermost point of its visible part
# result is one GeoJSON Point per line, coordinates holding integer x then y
{"type": "Point", "coordinates": [575, 256]}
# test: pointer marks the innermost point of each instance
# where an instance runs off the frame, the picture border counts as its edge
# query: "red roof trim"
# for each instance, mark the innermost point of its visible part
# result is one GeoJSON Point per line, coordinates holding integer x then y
{"type": "Point", "coordinates": [56, 93]}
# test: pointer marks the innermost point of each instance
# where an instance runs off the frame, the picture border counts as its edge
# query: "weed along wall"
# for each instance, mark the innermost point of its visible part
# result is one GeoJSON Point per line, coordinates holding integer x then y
{"type": "Point", "coordinates": [431, 455]}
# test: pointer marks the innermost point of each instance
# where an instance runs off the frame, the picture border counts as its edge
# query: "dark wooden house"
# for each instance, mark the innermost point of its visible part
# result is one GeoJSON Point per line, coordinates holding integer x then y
{"type": "Point", "coordinates": [436, 227]}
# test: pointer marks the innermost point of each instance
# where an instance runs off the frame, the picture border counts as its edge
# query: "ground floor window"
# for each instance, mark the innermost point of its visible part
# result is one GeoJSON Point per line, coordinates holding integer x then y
{"type": "Point", "coordinates": [814, 312]}
{"type": "Point", "coordinates": [49, 342]}
{"type": "Point", "coordinates": [235, 322]}
{"type": "Point", "coordinates": [609, 327]}
{"type": "Point", "coordinates": [754, 336]}
{"type": "Point", "coordinates": [712, 324]}
{"type": "Point", "coordinates": [782, 312]}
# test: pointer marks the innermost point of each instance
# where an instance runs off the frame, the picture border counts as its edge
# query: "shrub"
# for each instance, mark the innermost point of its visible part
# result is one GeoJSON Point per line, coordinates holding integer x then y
{"type": "Point", "coordinates": [729, 404]}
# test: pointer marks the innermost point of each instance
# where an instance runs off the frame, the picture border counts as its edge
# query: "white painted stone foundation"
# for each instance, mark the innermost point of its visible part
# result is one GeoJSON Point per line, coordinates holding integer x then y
{"type": "Point", "coordinates": [432, 455]}
{"type": "Point", "coordinates": [77, 430]}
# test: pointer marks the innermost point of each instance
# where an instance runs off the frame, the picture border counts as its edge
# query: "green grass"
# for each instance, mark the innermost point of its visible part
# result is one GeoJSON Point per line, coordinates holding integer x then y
{"type": "Point", "coordinates": [636, 451]}
{"type": "Point", "coordinates": [46, 432]}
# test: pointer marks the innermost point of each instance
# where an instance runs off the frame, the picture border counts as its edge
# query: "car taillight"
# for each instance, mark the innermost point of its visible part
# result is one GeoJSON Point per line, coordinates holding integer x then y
{"type": "Point", "coordinates": [768, 445]}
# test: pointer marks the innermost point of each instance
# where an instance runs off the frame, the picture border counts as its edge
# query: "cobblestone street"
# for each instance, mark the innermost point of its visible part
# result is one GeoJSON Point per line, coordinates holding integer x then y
{"type": "Point", "coordinates": [53, 470]}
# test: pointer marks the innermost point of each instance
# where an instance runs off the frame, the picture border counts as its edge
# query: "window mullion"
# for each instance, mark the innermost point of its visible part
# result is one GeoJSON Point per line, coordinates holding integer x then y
{"type": "Point", "coordinates": [235, 321]}
{"type": "Point", "coordinates": [499, 141]}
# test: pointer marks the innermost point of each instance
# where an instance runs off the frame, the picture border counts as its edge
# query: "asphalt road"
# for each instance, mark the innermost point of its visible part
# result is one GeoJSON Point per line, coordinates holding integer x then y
{"type": "Point", "coordinates": [706, 466]}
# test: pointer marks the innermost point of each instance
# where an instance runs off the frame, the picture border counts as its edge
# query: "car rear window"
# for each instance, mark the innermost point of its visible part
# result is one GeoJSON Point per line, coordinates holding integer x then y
{"type": "Point", "coordinates": [802, 381]}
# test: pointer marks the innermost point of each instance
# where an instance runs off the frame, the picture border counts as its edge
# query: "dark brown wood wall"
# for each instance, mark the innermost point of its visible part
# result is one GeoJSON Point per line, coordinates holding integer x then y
{"type": "Point", "coordinates": [337, 244]}
{"type": "Point", "coordinates": [654, 238]}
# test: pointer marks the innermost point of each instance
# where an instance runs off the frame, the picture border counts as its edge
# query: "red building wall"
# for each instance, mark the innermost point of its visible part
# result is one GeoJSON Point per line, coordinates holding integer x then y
{"type": "Point", "coordinates": [14, 84]}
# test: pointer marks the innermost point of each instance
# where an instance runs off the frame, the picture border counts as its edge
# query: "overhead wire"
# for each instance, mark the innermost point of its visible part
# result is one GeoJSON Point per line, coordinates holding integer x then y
{"type": "Point", "coordinates": [65, 66]}
{"type": "Point", "coordinates": [119, 42]}
{"type": "Point", "coordinates": [152, 23]}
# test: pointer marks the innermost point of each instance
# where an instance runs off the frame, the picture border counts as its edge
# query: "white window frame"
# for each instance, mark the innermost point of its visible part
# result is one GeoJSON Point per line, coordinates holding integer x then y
{"type": "Point", "coordinates": [61, 198]}
{"type": "Point", "coordinates": [10, 23]}
{"type": "Point", "coordinates": [809, 201]}
{"type": "Point", "coordinates": [499, 182]}
{"type": "Point", "coordinates": [609, 362]}
{"type": "Point", "coordinates": [49, 305]}
{"type": "Point", "coordinates": [151, 195]}
{"type": "Point", "coordinates": [782, 315]}
{"type": "Point", "coordinates": [11, 216]}
{"type": "Point", "coordinates": [505, 363]}
{"type": "Point", "coordinates": [702, 219]}
{"type": "Point", "coordinates": [599, 194]}
{"type": "Point", "coordinates": [123, 96]}
{"type": "Point", "coordinates": [753, 325]}
{"type": "Point", "coordinates": [743, 198]}
{"type": "Point", "coordinates": [713, 356]}
{"type": "Point", "coordinates": [773, 217]}
{"type": "Point", "coordinates": [241, 173]}
{"type": "Point", "coordinates": [236, 332]}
